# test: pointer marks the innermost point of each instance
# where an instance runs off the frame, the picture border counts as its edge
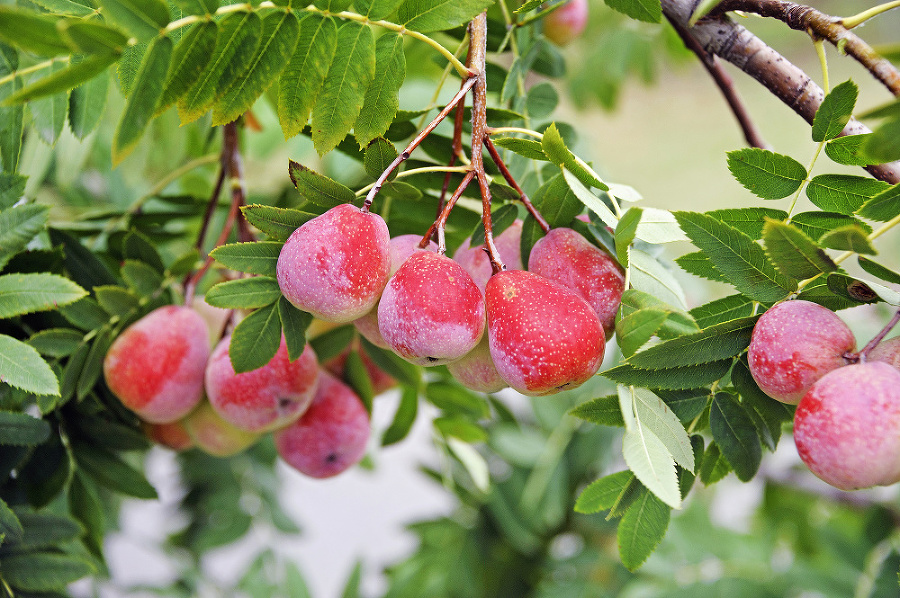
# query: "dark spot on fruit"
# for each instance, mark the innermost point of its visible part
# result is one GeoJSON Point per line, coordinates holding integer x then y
{"type": "Point", "coordinates": [284, 403]}
{"type": "Point", "coordinates": [430, 359]}
{"type": "Point", "coordinates": [331, 458]}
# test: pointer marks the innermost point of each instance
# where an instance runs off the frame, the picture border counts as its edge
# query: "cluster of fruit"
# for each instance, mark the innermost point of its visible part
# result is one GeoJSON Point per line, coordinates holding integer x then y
{"type": "Point", "coordinates": [847, 423]}
{"type": "Point", "coordinates": [538, 331]}
{"type": "Point", "coordinates": [162, 368]}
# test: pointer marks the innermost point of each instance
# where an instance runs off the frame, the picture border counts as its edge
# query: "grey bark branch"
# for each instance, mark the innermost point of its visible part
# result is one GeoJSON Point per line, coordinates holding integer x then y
{"type": "Point", "coordinates": [720, 36]}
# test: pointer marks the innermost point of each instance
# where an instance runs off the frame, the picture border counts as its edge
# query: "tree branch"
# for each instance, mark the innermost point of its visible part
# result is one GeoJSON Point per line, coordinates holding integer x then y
{"type": "Point", "coordinates": [805, 18]}
{"type": "Point", "coordinates": [720, 36]}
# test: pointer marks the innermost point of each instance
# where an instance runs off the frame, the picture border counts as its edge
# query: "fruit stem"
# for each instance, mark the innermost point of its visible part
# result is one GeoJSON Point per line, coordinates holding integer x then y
{"type": "Point", "coordinates": [878, 338]}
{"type": "Point", "coordinates": [498, 160]}
{"type": "Point", "coordinates": [404, 155]}
{"type": "Point", "coordinates": [440, 224]}
{"type": "Point", "coordinates": [457, 149]}
{"type": "Point", "coordinates": [477, 57]}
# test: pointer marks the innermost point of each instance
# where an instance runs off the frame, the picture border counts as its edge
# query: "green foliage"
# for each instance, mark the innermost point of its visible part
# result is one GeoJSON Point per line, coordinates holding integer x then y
{"type": "Point", "coordinates": [766, 174]}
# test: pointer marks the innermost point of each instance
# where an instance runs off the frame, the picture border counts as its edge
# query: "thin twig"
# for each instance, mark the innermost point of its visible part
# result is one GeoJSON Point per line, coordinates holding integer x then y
{"type": "Point", "coordinates": [498, 160]}
{"type": "Point", "coordinates": [879, 337]}
{"type": "Point", "coordinates": [456, 148]}
{"type": "Point", "coordinates": [726, 85]}
{"type": "Point", "coordinates": [404, 155]}
{"type": "Point", "coordinates": [437, 229]}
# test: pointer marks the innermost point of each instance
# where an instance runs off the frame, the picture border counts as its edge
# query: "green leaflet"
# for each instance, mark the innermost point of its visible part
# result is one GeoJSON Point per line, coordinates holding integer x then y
{"type": "Point", "coordinates": [876, 269]}
{"type": "Point", "coordinates": [31, 31]}
{"type": "Point", "coordinates": [43, 571]}
{"type": "Point", "coordinates": [349, 76]}
{"type": "Point", "coordinates": [601, 495]}
{"type": "Point", "coordinates": [817, 224]}
{"type": "Point", "coordinates": [649, 11]}
{"type": "Point", "coordinates": [238, 36]}
{"type": "Point", "coordinates": [834, 112]}
{"type": "Point", "coordinates": [848, 150]}
{"type": "Point", "coordinates": [255, 339]}
{"type": "Point", "coordinates": [656, 416]}
{"type": "Point", "coordinates": [91, 37]}
{"type": "Point", "coordinates": [44, 530]}
{"type": "Point", "coordinates": [793, 253]}
{"type": "Point", "coordinates": [293, 326]}
{"type": "Point", "coordinates": [766, 174]}
{"type": "Point", "coordinates": [18, 226]}
{"type": "Point", "coordinates": [678, 378]}
{"type": "Point", "coordinates": [555, 149]}
{"type": "Point", "coordinates": [142, 18]}
{"type": "Point", "coordinates": [49, 112]}
{"type": "Point", "coordinates": [749, 221]}
{"type": "Point", "coordinates": [650, 276]}
{"type": "Point", "coordinates": [56, 342]}
{"type": "Point", "coordinates": [189, 58]}
{"type": "Point", "coordinates": [848, 238]}
{"type": "Point", "coordinates": [404, 417]}
{"type": "Point", "coordinates": [556, 202]}
{"type": "Point", "coordinates": [73, 75]}
{"type": "Point", "coordinates": [641, 529]}
{"type": "Point", "coordinates": [305, 72]}
{"type": "Point", "coordinates": [843, 193]}
{"type": "Point", "coordinates": [427, 16]}
{"type": "Point", "coordinates": [378, 156]}
{"type": "Point", "coordinates": [87, 103]}
{"type": "Point", "coordinates": [722, 310]}
{"type": "Point", "coordinates": [715, 343]}
{"type": "Point", "coordinates": [883, 207]}
{"type": "Point", "coordinates": [140, 107]}
{"type": "Point", "coordinates": [603, 411]}
{"type": "Point", "coordinates": [735, 433]}
{"type": "Point", "coordinates": [319, 189]}
{"type": "Point", "coordinates": [528, 148]}
{"type": "Point", "coordinates": [276, 223]}
{"type": "Point", "coordinates": [19, 429]}
{"type": "Point", "coordinates": [22, 367]}
{"type": "Point", "coordinates": [253, 258]}
{"type": "Point", "coordinates": [27, 293]}
{"type": "Point", "coordinates": [244, 293]}
{"type": "Point", "coordinates": [381, 101]}
{"type": "Point", "coordinates": [742, 261]}
{"type": "Point", "coordinates": [109, 470]}
{"type": "Point", "coordinates": [280, 32]}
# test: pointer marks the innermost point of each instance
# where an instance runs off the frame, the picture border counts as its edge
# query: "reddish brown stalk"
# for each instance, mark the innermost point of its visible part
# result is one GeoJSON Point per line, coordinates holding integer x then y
{"type": "Point", "coordinates": [478, 50]}
{"type": "Point", "coordinates": [213, 202]}
{"type": "Point", "coordinates": [404, 155]}
{"type": "Point", "coordinates": [495, 156]}
{"type": "Point", "coordinates": [861, 356]}
{"type": "Point", "coordinates": [725, 83]}
{"type": "Point", "coordinates": [437, 229]}
{"type": "Point", "coordinates": [456, 148]}
{"type": "Point", "coordinates": [232, 161]}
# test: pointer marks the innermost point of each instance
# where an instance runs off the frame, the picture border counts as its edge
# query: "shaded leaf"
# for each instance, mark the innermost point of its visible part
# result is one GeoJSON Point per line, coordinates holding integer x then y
{"type": "Point", "coordinates": [293, 326]}
{"type": "Point", "coordinates": [848, 238]}
{"type": "Point", "coordinates": [253, 258]}
{"type": "Point", "coordinates": [107, 469]}
{"type": "Point", "coordinates": [19, 429]}
{"type": "Point", "coordinates": [816, 224]}
{"type": "Point", "coordinates": [142, 18]}
{"type": "Point", "coordinates": [793, 252]}
{"type": "Point", "coordinates": [189, 59]}
{"type": "Point", "coordinates": [381, 101]}
{"type": "Point", "coordinates": [641, 530]}
{"type": "Point", "coordinates": [87, 103]}
{"type": "Point", "coordinates": [876, 269]}
{"type": "Point", "coordinates": [735, 434]}
{"type": "Point", "coordinates": [244, 293]}
{"type": "Point", "coordinates": [255, 339]}
{"type": "Point", "coordinates": [319, 189]}
{"type": "Point", "coordinates": [33, 32]}
{"type": "Point", "coordinates": [73, 75]}
{"type": "Point", "coordinates": [712, 344]}
{"type": "Point", "coordinates": [438, 15]}
{"type": "Point", "coordinates": [18, 226]}
{"type": "Point", "coordinates": [883, 207]}
{"type": "Point", "coordinates": [671, 378]}
{"type": "Point", "coordinates": [404, 417]}
{"type": "Point", "coordinates": [44, 571]}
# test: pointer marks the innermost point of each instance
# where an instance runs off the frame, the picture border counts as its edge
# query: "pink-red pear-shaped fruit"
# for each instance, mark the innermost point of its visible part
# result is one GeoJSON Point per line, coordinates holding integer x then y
{"type": "Point", "coordinates": [567, 22]}
{"type": "Point", "coordinates": [543, 337]}
{"type": "Point", "coordinates": [401, 247]}
{"type": "Point", "coordinates": [335, 266]}
{"type": "Point", "coordinates": [156, 366]}
{"type": "Point", "coordinates": [431, 312]}
{"type": "Point", "coordinates": [476, 370]}
{"type": "Point", "coordinates": [331, 436]}
{"type": "Point", "coordinates": [476, 261]}
{"type": "Point", "coordinates": [564, 256]}
{"type": "Point", "coordinates": [794, 344]}
{"type": "Point", "coordinates": [172, 435]}
{"type": "Point", "coordinates": [215, 436]}
{"type": "Point", "coordinates": [847, 427]}
{"type": "Point", "coordinates": [265, 398]}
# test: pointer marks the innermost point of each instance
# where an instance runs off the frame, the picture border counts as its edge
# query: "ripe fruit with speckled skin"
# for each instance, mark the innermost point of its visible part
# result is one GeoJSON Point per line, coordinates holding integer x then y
{"type": "Point", "coordinates": [265, 398]}
{"type": "Point", "coordinates": [543, 337]}
{"type": "Point", "coordinates": [794, 344]}
{"type": "Point", "coordinates": [336, 265]}
{"type": "Point", "coordinates": [887, 351]}
{"type": "Point", "coordinates": [566, 22]}
{"type": "Point", "coordinates": [172, 435]}
{"type": "Point", "coordinates": [215, 436]}
{"type": "Point", "coordinates": [476, 262]}
{"type": "Point", "coordinates": [401, 247]}
{"type": "Point", "coordinates": [331, 436]}
{"type": "Point", "coordinates": [155, 367]}
{"type": "Point", "coordinates": [476, 369]}
{"type": "Point", "coordinates": [847, 427]}
{"type": "Point", "coordinates": [431, 312]}
{"type": "Point", "coordinates": [564, 256]}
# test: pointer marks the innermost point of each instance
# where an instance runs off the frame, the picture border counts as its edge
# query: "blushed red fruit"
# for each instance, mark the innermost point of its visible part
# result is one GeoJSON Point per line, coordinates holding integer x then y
{"type": "Point", "coordinates": [887, 351]}
{"type": "Point", "coordinates": [172, 435]}
{"type": "Point", "coordinates": [564, 256]}
{"type": "Point", "coordinates": [155, 367]}
{"type": "Point", "coordinates": [331, 436]}
{"type": "Point", "coordinates": [215, 436]}
{"type": "Point", "coordinates": [265, 398]}
{"type": "Point", "coordinates": [543, 337]}
{"type": "Point", "coordinates": [401, 248]}
{"type": "Point", "coordinates": [847, 427]}
{"type": "Point", "coordinates": [336, 265]}
{"type": "Point", "coordinates": [476, 370]}
{"type": "Point", "coordinates": [794, 344]}
{"type": "Point", "coordinates": [566, 22]}
{"type": "Point", "coordinates": [476, 261]}
{"type": "Point", "coordinates": [431, 312]}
